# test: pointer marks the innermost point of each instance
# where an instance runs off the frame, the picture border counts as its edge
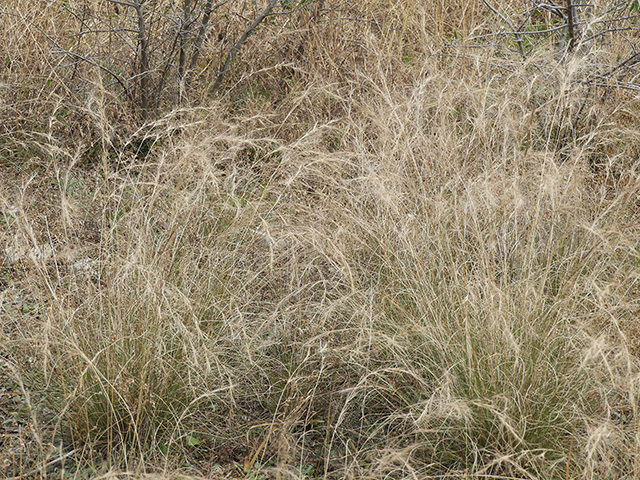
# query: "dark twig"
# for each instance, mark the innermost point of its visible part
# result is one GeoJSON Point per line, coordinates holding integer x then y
{"type": "Point", "coordinates": [144, 60]}
{"type": "Point", "coordinates": [232, 53]}
{"type": "Point", "coordinates": [506, 20]}
{"type": "Point", "coordinates": [570, 26]}
{"type": "Point", "coordinates": [204, 25]}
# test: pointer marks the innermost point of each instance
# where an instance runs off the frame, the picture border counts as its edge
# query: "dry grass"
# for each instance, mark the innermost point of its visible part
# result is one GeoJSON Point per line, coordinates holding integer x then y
{"type": "Point", "coordinates": [388, 256]}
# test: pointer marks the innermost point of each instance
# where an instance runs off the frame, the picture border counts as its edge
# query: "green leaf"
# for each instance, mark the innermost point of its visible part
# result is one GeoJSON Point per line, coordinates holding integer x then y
{"type": "Point", "coordinates": [192, 441]}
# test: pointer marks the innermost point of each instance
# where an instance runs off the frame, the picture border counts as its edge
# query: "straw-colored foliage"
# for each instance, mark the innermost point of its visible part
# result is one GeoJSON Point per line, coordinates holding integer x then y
{"type": "Point", "coordinates": [400, 241]}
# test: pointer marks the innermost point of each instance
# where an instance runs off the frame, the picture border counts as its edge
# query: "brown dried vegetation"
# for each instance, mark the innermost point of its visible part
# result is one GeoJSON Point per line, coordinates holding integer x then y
{"type": "Point", "coordinates": [398, 240]}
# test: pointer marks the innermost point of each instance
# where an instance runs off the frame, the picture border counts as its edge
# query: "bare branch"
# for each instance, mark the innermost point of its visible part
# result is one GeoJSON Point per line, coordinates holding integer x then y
{"type": "Point", "coordinates": [126, 4]}
{"type": "Point", "coordinates": [506, 20]}
{"type": "Point", "coordinates": [232, 53]}
{"type": "Point", "coordinates": [204, 25]}
{"type": "Point", "coordinates": [570, 26]}
{"type": "Point", "coordinates": [77, 56]}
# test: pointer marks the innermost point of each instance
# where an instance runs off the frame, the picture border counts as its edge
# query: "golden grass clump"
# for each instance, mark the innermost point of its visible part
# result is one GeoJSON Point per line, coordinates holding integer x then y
{"type": "Point", "coordinates": [398, 243]}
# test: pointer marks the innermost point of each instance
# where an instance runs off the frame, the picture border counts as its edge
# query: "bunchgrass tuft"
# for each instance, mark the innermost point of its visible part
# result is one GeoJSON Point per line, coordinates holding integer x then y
{"type": "Point", "coordinates": [398, 243]}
